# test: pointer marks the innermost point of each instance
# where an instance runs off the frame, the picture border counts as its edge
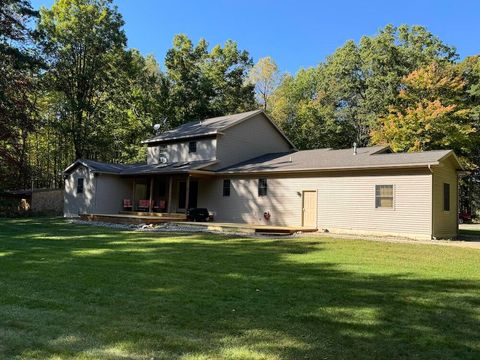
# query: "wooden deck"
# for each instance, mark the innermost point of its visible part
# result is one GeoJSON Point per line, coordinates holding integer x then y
{"type": "Point", "coordinates": [180, 220]}
{"type": "Point", "coordinates": [135, 218]}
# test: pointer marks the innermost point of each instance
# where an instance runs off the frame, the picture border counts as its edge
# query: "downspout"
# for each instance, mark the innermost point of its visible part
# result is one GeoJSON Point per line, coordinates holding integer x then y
{"type": "Point", "coordinates": [458, 204]}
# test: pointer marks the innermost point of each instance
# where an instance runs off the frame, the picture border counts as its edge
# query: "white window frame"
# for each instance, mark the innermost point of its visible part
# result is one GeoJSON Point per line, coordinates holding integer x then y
{"type": "Point", "coordinates": [383, 208]}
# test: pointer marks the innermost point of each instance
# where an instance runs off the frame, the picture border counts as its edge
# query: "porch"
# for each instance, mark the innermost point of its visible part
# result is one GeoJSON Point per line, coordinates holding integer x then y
{"type": "Point", "coordinates": [165, 196]}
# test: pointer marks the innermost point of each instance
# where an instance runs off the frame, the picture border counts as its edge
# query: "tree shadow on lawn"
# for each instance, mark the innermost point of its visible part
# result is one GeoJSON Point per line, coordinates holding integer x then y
{"type": "Point", "coordinates": [140, 295]}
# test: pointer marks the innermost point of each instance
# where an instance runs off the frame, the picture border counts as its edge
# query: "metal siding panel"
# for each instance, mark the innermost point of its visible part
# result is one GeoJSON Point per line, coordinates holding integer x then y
{"type": "Point", "coordinates": [445, 223]}
{"type": "Point", "coordinates": [206, 150]}
{"type": "Point", "coordinates": [74, 203]}
{"type": "Point", "coordinates": [344, 202]}
{"type": "Point", "coordinates": [110, 192]}
{"type": "Point", "coordinates": [249, 139]}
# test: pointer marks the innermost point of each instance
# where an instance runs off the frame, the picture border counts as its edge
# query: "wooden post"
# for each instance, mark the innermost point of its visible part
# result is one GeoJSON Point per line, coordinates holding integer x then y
{"type": "Point", "coordinates": [187, 193]}
{"type": "Point", "coordinates": [150, 204]}
{"type": "Point", "coordinates": [133, 195]}
{"type": "Point", "coordinates": [170, 189]}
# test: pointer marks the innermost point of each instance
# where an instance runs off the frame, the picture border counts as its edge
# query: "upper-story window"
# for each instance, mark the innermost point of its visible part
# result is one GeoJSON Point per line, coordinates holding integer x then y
{"type": "Point", "coordinates": [79, 185]}
{"type": "Point", "coordinates": [192, 147]}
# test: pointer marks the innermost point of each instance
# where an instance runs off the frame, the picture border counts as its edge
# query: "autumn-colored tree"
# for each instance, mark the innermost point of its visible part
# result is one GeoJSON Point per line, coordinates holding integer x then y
{"type": "Point", "coordinates": [266, 78]}
{"type": "Point", "coordinates": [354, 87]}
{"type": "Point", "coordinates": [430, 114]}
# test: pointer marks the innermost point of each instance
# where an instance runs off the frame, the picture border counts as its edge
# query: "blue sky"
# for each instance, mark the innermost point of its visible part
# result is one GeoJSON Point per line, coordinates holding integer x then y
{"type": "Point", "coordinates": [295, 33]}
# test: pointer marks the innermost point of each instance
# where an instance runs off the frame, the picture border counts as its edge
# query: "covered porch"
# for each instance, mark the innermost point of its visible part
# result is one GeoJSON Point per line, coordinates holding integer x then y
{"type": "Point", "coordinates": [163, 195]}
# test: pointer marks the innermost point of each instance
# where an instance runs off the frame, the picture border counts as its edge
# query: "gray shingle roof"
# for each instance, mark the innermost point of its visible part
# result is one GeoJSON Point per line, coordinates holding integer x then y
{"type": "Point", "coordinates": [203, 128]}
{"type": "Point", "coordinates": [375, 157]}
{"type": "Point", "coordinates": [138, 169]}
{"type": "Point", "coordinates": [328, 159]}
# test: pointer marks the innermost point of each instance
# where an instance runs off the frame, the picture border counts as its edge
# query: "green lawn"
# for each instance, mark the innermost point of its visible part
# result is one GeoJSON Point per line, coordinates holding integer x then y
{"type": "Point", "coordinates": [82, 292]}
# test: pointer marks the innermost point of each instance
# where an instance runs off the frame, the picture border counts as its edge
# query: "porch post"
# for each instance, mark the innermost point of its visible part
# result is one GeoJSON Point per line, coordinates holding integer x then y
{"type": "Point", "coordinates": [187, 193]}
{"type": "Point", "coordinates": [170, 189]}
{"type": "Point", "coordinates": [150, 205]}
{"type": "Point", "coordinates": [133, 195]}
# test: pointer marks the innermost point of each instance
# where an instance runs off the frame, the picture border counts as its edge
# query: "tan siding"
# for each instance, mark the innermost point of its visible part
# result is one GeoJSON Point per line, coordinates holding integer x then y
{"type": "Point", "coordinates": [101, 194]}
{"type": "Point", "coordinates": [445, 222]}
{"type": "Point", "coordinates": [110, 190]}
{"type": "Point", "coordinates": [344, 202]}
{"type": "Point", "coordinates": [206, 150]}
{"type": "Point", "coordinates": [76, 204]}
{"type": "Point", "coordinates": [251, 138]}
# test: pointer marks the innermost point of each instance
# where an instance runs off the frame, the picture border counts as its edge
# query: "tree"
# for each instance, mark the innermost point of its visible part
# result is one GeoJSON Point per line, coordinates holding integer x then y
{"type": "Point", "coordinates": [206, 84]}
{"type": "Point", "coordinates": [226, 70]}
{"type": "Point", "coordinates": [20, 63]}
{"type": "Point", "coordinates": [431, 112]}
{"type": "Point", "coordinates": [266, 78]}
{"type": "Point", "coordinates": [84, 41]}
{"type": "Point", "coordinates": [303, 112]}
{"type": "Point", "coordinates": [137, 100]}
{"type": "Point", "coordinates": [358, 83]}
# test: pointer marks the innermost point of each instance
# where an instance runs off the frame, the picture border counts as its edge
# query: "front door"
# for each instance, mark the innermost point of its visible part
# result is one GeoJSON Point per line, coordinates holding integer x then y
{"type": "Point", "coordinates": [309, 209]}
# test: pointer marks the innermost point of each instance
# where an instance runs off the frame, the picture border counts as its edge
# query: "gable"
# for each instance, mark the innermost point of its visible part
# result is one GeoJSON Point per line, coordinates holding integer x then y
{"type": "Point", "coordinates": [251, 138]}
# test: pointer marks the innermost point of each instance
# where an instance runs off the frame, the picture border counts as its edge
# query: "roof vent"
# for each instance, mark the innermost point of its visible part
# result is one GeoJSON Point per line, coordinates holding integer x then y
{"type": "Point", "coordinates": [290, 159]}
{"type": "Point", "coordinates": [354, 148]}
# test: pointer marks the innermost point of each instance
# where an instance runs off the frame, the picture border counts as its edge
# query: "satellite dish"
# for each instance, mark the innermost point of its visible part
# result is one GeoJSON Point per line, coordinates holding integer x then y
{"type": "Point", "coordinates": [156, 127]}
{"type": "Point", "coordinates": [163, 159]}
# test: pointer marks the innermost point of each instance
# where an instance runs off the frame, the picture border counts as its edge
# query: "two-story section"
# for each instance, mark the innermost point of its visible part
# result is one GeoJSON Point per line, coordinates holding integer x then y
{"type": "Point", "coordinates": [243, 169]}
{"type": "Point", "coordinates": [226, 140]}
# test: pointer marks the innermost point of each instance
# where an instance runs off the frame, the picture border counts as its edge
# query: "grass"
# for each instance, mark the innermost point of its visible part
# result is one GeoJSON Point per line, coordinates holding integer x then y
{"type": "Point", "coordinates": [81, 292]}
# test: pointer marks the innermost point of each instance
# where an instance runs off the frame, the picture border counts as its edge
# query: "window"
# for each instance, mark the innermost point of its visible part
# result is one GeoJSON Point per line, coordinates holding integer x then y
{"type": "Point", "coordinates": [226, 187]}
{"type": "Point", "coordinates": [383, 196]}
{"type": "Point", "coordinates": [262, 187]}
{"type": "Point", "coordinates": [79, 185]}
{"type": "Point", "coordinates": [446, 197]}
{"type": "Point", "coordinates": [192, 147]}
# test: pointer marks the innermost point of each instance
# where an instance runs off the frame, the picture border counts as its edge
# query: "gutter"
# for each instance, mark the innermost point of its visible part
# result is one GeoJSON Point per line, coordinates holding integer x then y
{"type": "Point", "coordinates": [308, 170]}
{"type": "Point", "coordinates": [175, 139]}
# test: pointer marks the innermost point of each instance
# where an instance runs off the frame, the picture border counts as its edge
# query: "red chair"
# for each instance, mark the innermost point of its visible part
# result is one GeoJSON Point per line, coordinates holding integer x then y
{"type": "Point", "coordinates": [162, 205]}
{"type": "Point", "coordinates": [144, 205]}
{"type": "Point", "coordinates": [127, 204]}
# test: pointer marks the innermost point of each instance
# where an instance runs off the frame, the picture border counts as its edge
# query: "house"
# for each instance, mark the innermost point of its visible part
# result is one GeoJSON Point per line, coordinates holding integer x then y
{"type": "Point", "coordinates": [245, 170]}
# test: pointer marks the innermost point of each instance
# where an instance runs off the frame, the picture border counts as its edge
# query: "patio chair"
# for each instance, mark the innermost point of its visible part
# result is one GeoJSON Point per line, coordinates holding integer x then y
{"type": "Point", "coordinates": [162, 205]}
{"type": "Point", "coordinates": [143, 205]}
{"type": "Point", "coordinates": [127, 204]}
